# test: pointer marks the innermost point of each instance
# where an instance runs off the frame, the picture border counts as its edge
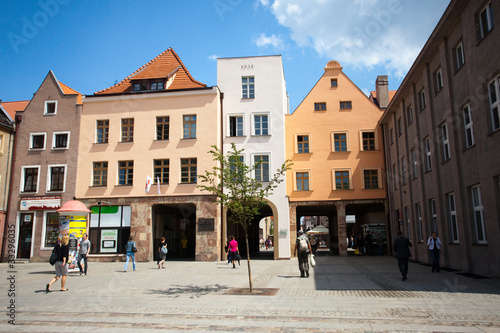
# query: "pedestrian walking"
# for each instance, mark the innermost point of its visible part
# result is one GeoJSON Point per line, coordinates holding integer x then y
{"type": "Point", "coordinates": [129, 248]}
{"type": "Point", "coordinates": [83, 253]}
{"type": "Point", "coordinates": [233, 252]}
{"type": "Point", "coordinates": [302, 250]}
{"type": "Point", "coordinates": [314, 244]}
{"type": "Point", "coordinates": [360, 245]}
{"type": "Point", "coordinates": [61, 264]}
{"type": "Point", "coordinates": [162, 252]}
{"type": "Point", "coordinates": [434, 244]}
{"type": "Point", "coordinates": [402, 253]}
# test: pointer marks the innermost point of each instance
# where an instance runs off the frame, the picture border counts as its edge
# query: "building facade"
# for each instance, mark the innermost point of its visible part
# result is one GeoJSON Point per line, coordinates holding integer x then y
{"type": "Point", "coordinates": [336, 147]}
{"type": "Point", "coordinates": [254, 106]}
{"type": "Point", "coordinates": [143, 142]}
{"type": "Point", "coordinates": [45, 167]}
{"type": "Point", "coordinates": [442, 133]}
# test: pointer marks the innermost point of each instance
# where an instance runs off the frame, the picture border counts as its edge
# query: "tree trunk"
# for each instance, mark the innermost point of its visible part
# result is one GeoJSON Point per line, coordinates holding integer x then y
{"type": "Point", "coordinates": [248, 261]}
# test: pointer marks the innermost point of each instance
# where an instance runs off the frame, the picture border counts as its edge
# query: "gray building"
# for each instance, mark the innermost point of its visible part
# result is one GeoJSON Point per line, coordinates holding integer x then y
{"type": "Point", "coordinates": [442, 138]}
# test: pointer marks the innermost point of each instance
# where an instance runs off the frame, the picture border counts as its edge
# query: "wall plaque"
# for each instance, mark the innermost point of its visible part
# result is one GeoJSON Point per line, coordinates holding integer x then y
{"type": "Point", "coordinates": [206, 224]}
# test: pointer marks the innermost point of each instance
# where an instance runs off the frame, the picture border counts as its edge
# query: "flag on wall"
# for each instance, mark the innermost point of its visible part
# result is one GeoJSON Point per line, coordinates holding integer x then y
{"type": "Point", "coordinates": [149, 181]}
{"type": "Point", "coordinates": [158, 184]}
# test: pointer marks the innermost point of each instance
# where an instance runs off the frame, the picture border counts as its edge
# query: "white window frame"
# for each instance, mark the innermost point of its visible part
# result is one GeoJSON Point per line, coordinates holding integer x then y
{"type": "Point", "coordinates": [44, 229]}
{"type": "Point", "coordinates": [446, 142]}
{"type": "Point", "coordinates": [460, 55]}
{"type": "Point", "coordinates": [489, 23]}
{"type": "Point", "coordinates": [332, 137]}
{"type": "Point", "coordinates": [49, 174]}
{"type": "Point", "coordinates": [54, 140]}
{"type": "Point", "coordinates": [439, 80]}
{"type": "Point", "coordinates": [452, 211]}
{"type": "Point", "coordinates": [468, 126]}
{"type": "Point", "coordinates": [238, 116]}
{"type": "Point", "coordinates": [422, 99]}
{"type": "Point", "coordinates": [493, 88]}
{"type": "Point", "coordinates": [363, 177]}
{"type": "Point", "coordinates": [428, 154]}
{"type": "Point", "coordinates": [375, 137]}
{"type": "Point", "coordinates": [335, 181]}
{"type": "Point", "coordinates": [2, 140]}
{"type": "Point", "coordinates": [295, 187]}
{"type": "Point", "coordinates": [414, 163]}
{"type": "Point", "coordinates": [260, 114]}
{"type": "Point", "coordinates": [297, 142]}
{"type": "Point", "coordinates": [418, 212]}
{"type": "Point", "coordinates": [253, 156]}
{"type": "Point", "coordinates": [248, 95]}
{"type": "Point", "coordinates": [45, 112]}
{"type": "Point", "coordinates": [23, 168]}
{"type": "Point", "coordinates": [478, 213]}
{"type": "Point", "coordinates": [44, 140]}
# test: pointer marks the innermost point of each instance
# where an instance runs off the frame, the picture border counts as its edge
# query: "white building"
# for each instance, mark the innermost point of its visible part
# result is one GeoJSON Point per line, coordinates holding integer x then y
{"type": "Point", "coordinates": [254, 106]}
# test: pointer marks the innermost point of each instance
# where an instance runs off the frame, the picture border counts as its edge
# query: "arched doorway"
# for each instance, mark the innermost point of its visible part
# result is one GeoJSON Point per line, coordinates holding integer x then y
{"type": "Point", "coordinates": [174, 222]}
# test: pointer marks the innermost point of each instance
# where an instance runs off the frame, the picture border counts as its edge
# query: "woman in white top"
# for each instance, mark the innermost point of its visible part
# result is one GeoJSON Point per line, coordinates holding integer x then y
{"type": "Point", "coordinates": [434, 244]}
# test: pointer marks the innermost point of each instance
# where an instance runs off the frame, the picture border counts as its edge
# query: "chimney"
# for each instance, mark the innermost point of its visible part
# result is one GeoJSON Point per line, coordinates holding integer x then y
{"type": "Point", "coordinates": [382, 90]}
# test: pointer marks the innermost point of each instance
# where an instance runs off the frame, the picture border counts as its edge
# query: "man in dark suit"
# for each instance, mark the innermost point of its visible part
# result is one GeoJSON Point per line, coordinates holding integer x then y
{"type": "Point", "coordinates": [402, 253]}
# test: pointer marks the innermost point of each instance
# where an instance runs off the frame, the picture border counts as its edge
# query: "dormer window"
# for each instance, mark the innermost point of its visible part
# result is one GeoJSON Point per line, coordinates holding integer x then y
{"type": "Point", "coordinates": [157, 86]}
{"type": "Point", "coordinates": [137, 86]}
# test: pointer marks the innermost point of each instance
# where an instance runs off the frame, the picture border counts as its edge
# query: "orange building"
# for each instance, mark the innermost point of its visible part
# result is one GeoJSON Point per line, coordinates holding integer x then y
{"type": "Point", "coordinates": [338, 168]}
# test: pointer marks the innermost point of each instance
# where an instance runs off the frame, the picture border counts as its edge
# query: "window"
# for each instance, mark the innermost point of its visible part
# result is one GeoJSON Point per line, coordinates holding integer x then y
{"type": "Point", "coordinates": [391, 134]}
{"type": "Point", "coordinates": [370, 179]}
{"type": "Point", "coordinates": [346, 105]}
{"type": "Point", "coordinates": [438, 80]}
{"type": "Point", "coordinates": [395, 176]}
{"type": "Point", "coordinates": [408, 220]}
{"type": "Point", "coordinates": [156, 85]}
{"type": "Point", "coordinates": [261, 124]}
{"type": "Point", "coordinates": [162, 171]}
{"type": "Point", "coordinates": [302, 181]}
{"type": "Point", "coordinates": [477, 204]}
{"type": "Point", "coordinates": [189, 169]}
{"type": "Point", "coordinates": [162, 128]}
{"type": "Point", "coordinates": [56, 178]}
{"type": "Point", "coordinates": [1, 143]}
{"type": "Point", "coordinates": [303, 144]}
{"type": "Point", "coordinates": [100, 171]}
{"type": "Point", "coordinates": [50, 108]}
{"type": "Point", "coordinates": [468, 127]}
{"type": "Point", "coordinates": [342, 180]}
{"type": "Point", "coordinates": [138, 86]}
{"type": "Point", "coordinates": [339, 142]}
{"type": "Point", "coordinates": [446, 142]}
{"type": "Point", "coordinates": [333, 83]}
{"type": "Point", "coordinates": [248, 87]}
{"type": "Point", "coordinates": [493, 92]}
{"type": "Point", "coordinates": [125, 172]}
{"type": "Point", "coordinates": [237, 166]}
{"type": "Point", "coordinates": [102, 131]}
{"type": "Point", "coordinates": [319, 106]}
{"type": "Point", "coordinates": [235, 125]}
{"type": "Point", "coordinates": [485, 21]}
{"type": "Point", "coordinates": [418, 210]}
{"type": "Point", "coordinates": [459, 56]}
{"type": "Point", "coordinates": [51, 229]}
{"type": "Point", "coordinates": [433, 211]}
{"type": "Point", "coordinates": [422, 100]}
{"type": "Point", "coordinates": [428, 157]}
{"type": "Point", "coordinates": [414, 163]}
{"type": "Point", "coordinates": [60, 140]}
{"type": "Point", "coordinates": [29, 180]}
{"type": "Point", "coordinates": [109, 228]}
{"type": "Point", "coordinates": [368, 140]}
{"type": "Point", "coordinates": [37, 141]}
{"type": "Point", "coordinates": [409, 114]}
{"type": "Point", "coordinates": [262, 169]}
{"type": "Point", "coordinates": [128, 130]}
{"type": "Point", "coordinates": [453, 217]}
{"type": "Point", "coordinates": [189, 126]}
{"type": "Point", "coordinates": [400, 127]}
{"type": "Point", "coordinates": [403, 171]}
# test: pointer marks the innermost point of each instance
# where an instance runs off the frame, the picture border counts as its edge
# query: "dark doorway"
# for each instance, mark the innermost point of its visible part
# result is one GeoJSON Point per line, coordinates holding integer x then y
{"type": "Point", "coordinates": [25, 235]}
{"type": "Point", "coordinates": [177, 223]}
{"type": "Point", "coordinates": [311, 216]}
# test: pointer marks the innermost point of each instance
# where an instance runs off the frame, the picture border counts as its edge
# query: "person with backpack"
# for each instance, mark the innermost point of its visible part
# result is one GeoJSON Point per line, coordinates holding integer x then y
{"type": "Point", "coordinates": [162, 252]}
{"type": "Point", "coordinates": [302, 250]}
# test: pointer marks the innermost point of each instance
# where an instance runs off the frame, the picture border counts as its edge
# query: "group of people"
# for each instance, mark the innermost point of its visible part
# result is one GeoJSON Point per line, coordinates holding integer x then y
{"type": "Point", "coordinates": [267, 243]}
{"type": "Point", "coordinates": [367, 244]}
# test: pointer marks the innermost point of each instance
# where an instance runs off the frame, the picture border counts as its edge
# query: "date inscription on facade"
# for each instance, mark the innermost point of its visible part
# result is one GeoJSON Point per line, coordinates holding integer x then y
{"type": "Point", "coordinates": [206, 224]}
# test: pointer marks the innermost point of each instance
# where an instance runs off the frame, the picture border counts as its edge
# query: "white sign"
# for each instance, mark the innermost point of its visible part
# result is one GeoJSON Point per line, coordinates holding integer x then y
{"type": "Point", "coordinates": [40, 203]}
{"type": "Point", "coordinates": [350, 219]}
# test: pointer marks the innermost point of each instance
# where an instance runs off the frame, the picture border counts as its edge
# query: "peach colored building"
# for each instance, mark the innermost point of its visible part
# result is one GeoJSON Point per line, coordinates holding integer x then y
{"type": "Point", "coordinates": [336, 146]}
{"type": "Point", "coordinates": [155, 126]}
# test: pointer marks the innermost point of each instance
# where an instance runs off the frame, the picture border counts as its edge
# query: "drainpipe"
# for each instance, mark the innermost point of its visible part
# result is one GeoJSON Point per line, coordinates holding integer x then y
{"type": "Point", "coordinates": [222, 234]}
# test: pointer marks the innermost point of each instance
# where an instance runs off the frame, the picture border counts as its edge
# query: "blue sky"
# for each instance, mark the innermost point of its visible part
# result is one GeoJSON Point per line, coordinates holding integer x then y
{"type": "Point", "coordinates": [89, 45]}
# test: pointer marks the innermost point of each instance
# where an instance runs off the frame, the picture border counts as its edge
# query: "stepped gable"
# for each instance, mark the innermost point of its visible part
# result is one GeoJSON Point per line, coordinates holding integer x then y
{"type": "Point", "coordinates": [70, 91]}
{"type": "Point", "coordinates": [166, 65]}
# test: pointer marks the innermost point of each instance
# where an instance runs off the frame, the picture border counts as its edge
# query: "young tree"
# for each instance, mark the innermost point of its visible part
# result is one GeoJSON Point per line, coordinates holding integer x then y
{"type": "Point", "coordinates": [242, 195]}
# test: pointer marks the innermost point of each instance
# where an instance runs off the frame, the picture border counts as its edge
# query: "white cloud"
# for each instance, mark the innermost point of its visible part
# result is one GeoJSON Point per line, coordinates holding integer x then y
{"type": "Point", "coordinates": [262, 40]}
{"type": "Point", "coordinates": [361, 33]}
{"type": "Point", "coordinates": [213, 57]}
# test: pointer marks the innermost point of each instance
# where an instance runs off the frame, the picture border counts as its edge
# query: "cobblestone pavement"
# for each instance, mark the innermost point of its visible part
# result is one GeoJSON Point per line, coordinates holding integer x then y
{"type": "Point", "coordinates": [353, 294]}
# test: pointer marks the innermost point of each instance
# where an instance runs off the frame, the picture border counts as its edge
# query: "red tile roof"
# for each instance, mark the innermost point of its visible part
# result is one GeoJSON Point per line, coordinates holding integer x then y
{"type": "Point", "coordinates": [165, 65]}
{"type": "Point", "coordinates": [70, 91]}
{"type": "Point", "coordinates": [373, 96]}
{"type": "Point", "coordinates": [12, 107]}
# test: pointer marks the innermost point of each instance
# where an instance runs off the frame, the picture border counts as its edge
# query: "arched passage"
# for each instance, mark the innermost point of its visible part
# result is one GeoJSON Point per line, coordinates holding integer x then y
{"type": "Point", "coordinates": [312, 215]}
